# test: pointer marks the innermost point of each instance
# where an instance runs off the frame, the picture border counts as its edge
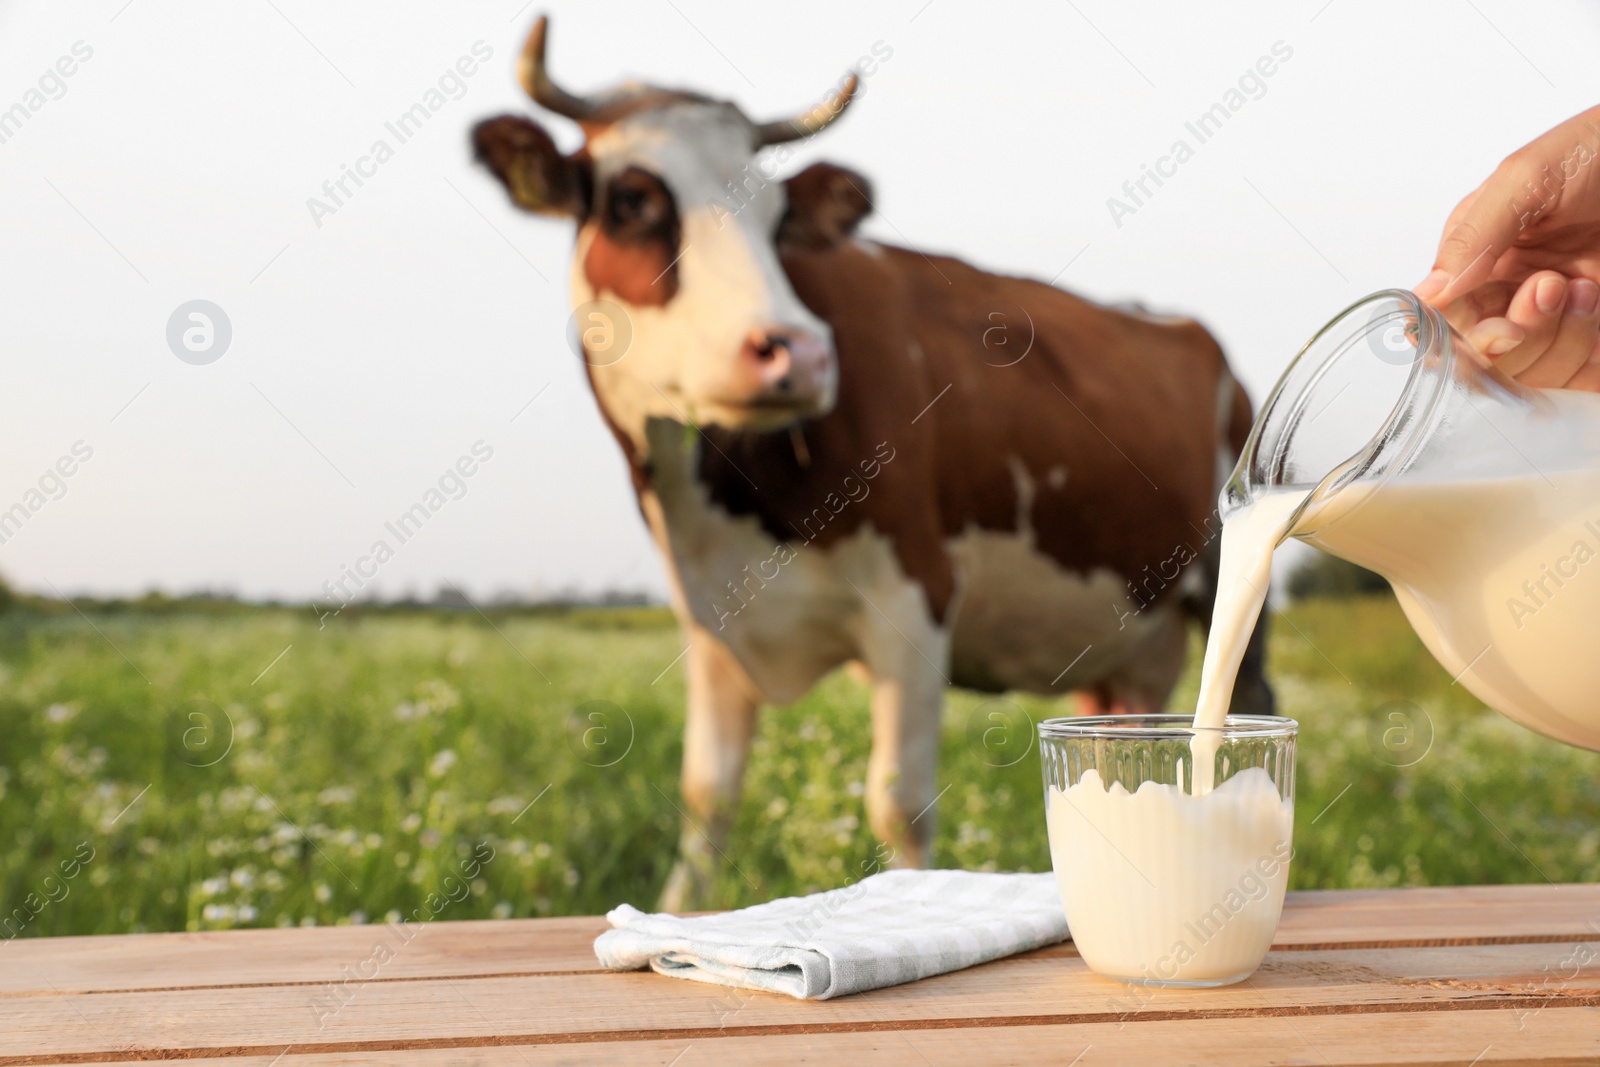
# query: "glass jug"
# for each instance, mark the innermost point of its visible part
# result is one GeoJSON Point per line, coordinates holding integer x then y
{"type": "Point", "coordinates": [1477, 498]}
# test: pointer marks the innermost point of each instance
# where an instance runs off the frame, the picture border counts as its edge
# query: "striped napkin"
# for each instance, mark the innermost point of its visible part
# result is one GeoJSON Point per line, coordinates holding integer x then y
{"type": "Point", "coordinates": [893, 927]}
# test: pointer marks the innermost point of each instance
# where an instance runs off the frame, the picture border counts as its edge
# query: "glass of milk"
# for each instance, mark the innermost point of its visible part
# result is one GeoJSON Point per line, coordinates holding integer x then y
{"type": "Point", "coordinates": [1164, 884]}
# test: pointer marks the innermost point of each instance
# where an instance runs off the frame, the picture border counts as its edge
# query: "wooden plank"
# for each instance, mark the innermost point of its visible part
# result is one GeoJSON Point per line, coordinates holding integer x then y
{"type": "Point", "coordinates": [34, 966]}
{"type": "Point", "coordinates": [1566, 1037]}
{"type": "Point", "coordinates": [1441, 915]}
{"type": "Point", "coordinates": [1326, 919]}
{"type": "Point", "coordinates": [641, 1006]}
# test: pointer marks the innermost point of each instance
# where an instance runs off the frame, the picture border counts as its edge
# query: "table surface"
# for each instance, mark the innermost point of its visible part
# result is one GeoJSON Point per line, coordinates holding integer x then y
{"type": "Point", "coordinates": [1479, 975]}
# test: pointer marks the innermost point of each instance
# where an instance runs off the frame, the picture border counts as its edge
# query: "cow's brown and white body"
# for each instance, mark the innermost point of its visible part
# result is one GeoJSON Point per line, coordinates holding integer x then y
{"type": "Point", "coordinates": [849, 452]}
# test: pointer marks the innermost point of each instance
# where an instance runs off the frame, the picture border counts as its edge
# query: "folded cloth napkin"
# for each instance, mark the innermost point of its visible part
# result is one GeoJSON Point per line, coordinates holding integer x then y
{"type": "Point", "coordinates": [893, 927]}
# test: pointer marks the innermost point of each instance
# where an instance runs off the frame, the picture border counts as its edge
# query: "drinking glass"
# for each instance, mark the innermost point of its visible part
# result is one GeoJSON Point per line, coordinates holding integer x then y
{"type": "Point", "coordinates": [1162, 886]}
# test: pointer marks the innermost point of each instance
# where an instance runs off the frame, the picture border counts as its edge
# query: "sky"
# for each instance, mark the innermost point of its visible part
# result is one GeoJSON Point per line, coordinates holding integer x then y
{"type": "Point", "coordinates": [417, 329]}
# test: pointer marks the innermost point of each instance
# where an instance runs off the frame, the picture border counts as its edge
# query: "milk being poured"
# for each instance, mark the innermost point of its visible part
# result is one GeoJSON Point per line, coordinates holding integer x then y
{"type": "Point", "coordinates": [1500, 578]}
{"type": "Point", "coordinates": [1248, 538]}
{"type": "Point", "coordinates": [1477, 499]}
{"type": "Point", "coordinates": [1167, 886]}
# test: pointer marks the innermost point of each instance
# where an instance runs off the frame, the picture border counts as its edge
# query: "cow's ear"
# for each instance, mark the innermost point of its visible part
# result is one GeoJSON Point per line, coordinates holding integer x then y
{"type": "Point", "coordinates": [826, 203]}
{"type": "Point", "coordinates": [531, 167]}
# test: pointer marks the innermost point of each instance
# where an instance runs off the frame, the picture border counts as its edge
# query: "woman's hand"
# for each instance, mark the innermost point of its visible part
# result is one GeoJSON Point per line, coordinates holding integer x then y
{"type": "Point", "coordinates": [1518, 268]}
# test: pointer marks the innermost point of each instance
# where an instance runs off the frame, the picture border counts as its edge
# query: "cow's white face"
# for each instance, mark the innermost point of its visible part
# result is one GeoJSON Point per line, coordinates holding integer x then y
{"type": "Point", "coordinates": [681, 303]}
{"type": "Point", "coordinates": [717, 333]}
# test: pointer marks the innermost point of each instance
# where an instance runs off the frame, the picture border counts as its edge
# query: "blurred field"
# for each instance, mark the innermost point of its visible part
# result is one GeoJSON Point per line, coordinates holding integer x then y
{"type": "Point", "coordinates": [387, 763]}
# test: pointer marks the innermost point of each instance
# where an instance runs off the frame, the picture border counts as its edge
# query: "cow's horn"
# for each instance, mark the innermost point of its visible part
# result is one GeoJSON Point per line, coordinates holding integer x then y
{"type": "Point", "coordinates": [536, 81]}
{"type": "Point", "coordinates": [810, 122]}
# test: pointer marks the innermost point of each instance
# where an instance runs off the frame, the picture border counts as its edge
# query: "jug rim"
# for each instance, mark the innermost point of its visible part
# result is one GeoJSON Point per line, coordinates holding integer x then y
{"type": "Point", "coordinates": [1418, 400]}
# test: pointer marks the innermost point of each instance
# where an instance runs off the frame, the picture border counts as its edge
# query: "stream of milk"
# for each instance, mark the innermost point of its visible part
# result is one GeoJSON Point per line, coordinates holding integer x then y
{"type": "Point", "coordinates": [1248, 539]}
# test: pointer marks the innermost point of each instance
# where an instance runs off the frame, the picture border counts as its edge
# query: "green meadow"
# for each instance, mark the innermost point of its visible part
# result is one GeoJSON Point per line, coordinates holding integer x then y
{"type": "Point", "coordinates": [199, 769]}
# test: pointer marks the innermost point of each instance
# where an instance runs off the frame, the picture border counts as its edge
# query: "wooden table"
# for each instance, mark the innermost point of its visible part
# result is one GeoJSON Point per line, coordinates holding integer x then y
{"type": "Point", "coordinates": [1483, 976]}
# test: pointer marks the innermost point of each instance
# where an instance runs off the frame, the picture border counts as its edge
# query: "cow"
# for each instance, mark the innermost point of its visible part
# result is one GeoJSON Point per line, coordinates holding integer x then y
{"type": "Point", "coordinates": [850, 453]}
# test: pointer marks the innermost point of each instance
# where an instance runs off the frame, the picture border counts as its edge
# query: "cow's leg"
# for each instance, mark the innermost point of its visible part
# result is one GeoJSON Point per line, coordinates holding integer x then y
{"type": "Point", "coordinates": [716, 745]}
{"type": "Point", "coordinates": [908, 659]}
{"type": "Point", "coordinates": [903, 772]}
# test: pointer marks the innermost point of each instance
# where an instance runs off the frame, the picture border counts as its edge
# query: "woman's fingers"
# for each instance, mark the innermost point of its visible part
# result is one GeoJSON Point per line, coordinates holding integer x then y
{"type": "Point", "coordinates": [1574, 341]}
{"type": "Point", "coordinates": [1538, 198]}
{"type": "Point", "coordinates": [1495, 337]}
{"type": "Point", "coordinates": [1588, 376]}
{"type": "Point", "coordinates": [1479, 230]}
{"type": "Point", "coordinates": [1433, 284]}
{"type": "Point", "coordinates": [1486, 302]}
{"type": "Point", "coordinates": [1537, 310]}
{"type": "Point", "coordinates": [1545, 333]}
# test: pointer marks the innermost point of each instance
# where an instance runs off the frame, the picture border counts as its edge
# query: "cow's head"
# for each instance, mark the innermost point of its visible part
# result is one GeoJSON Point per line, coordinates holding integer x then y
{"type": "Point", "coordinates": [679, 228]}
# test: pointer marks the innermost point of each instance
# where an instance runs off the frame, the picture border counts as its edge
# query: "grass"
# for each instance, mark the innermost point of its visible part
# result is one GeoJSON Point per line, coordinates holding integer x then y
{"type": "Point", "coordinates": [157, 774]}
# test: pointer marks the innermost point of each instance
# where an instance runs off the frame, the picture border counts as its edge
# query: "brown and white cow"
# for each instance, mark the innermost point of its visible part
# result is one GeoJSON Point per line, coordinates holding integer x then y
{"type": "Point", "coordinates": [852, 452]}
